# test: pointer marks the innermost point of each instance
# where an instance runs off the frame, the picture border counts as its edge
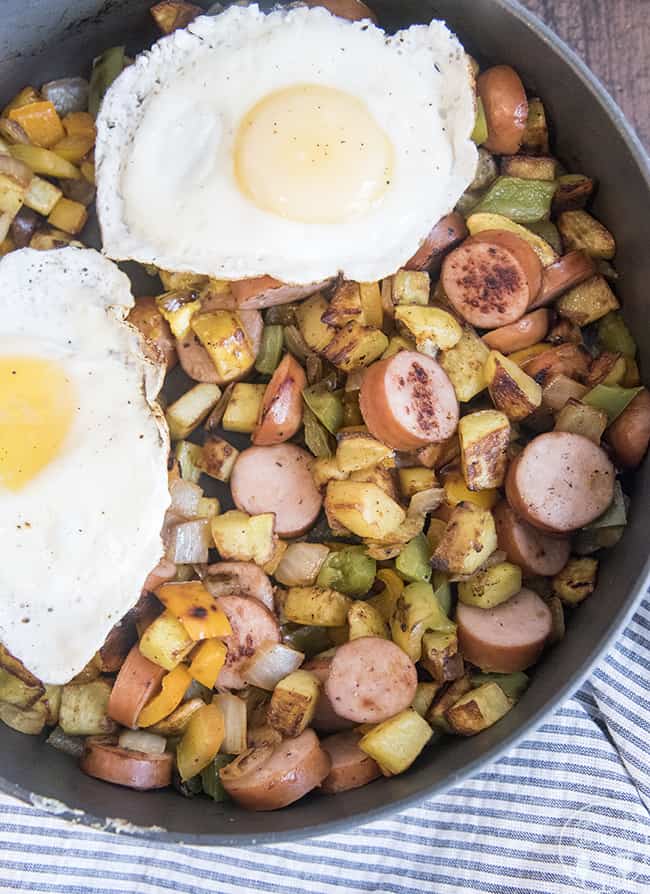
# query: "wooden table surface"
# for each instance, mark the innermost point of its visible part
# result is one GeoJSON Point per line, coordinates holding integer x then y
{"type": "Point", "coordinates": [613, 37]}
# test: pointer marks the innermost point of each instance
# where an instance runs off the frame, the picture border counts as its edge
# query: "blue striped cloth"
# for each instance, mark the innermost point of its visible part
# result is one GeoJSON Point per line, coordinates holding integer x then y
{"type": "Point", "coordinates": [566, 811]}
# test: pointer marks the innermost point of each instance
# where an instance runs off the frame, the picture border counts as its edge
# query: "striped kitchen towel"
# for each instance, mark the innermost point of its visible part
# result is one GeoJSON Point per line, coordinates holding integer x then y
{"type": "Point", "coordinates": [566, 811]}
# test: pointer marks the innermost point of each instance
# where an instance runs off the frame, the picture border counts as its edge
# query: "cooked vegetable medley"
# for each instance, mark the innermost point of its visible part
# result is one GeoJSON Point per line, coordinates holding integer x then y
{"type": "Point", "coordinates": [385, 497]}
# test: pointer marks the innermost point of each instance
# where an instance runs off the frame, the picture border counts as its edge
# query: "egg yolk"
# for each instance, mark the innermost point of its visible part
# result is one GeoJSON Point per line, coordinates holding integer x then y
{"type": "Point", "coordinates": [313, 154]}
{"type": "Point", "coordinates": [37, 406]}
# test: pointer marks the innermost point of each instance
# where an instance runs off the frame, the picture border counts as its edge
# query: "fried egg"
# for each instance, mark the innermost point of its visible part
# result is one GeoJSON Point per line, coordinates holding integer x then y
{"type": "Point", "coordinates": [83, 458]}
{"type": "Point", "coordinates": [294, 144]}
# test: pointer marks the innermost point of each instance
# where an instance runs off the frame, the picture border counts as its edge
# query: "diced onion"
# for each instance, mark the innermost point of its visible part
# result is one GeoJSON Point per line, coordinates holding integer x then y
{"type": "Point", "coordinates": [16, 170]}
{"type": "Point", "coordinates": [300, 564]}
{"type": "Point", "coordinates": [190, 542]}
{"type": "Point", "coordinates": [185, 497]}
{"type": "Point", "coordinates": [67, 95]}
{"type": "Point", "coordinates": [235, 722]}
{"type": "Point", "coordinates": [139, 740]}
{"type": "Point", "coordinates": [272, 664]}
{"type": "Point", "coordinates": [71, 745]}
{"type": "Point", "coordinates": [425, 501]}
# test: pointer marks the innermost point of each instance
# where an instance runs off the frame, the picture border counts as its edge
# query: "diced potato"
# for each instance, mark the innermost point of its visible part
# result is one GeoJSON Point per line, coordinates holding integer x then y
{"type": "Point", "coordinates": [373, 311]}
{"type": "Point", "coordinates": [511, 389]}
{"type": "Point", "coordinates": [358, 450]}
{"type": "Point", "coordinates": [46, 240]}
{"type": "Point", "coordinates": [396, 743]}
{"type": "Point", "coordinates": [414, 480]}
{"type": "Point", "coordinates": [80, 124]}
{"type": "Point", "coordinates": [560, 389]}
{"type": "Point", "coordinates": [293, 703]}
{"type": "Point", "coordinates": [90, 672]}
{"type": "Point", "coordinates": [84, 708]}
{"type": "Point", "coordinates": [424, 696]}
{"type": "Point", "coordinates": [440, 656]}
{"type": "Point", "coordinates": [478, 709]}
{"type": "Point", "coordinates": [437, 456]}
{"type": "Point", "coordinates": [469, 539]}
{"type": "Point", "coordinates": [208, 507]}
{"type": "Point", "coordinates": [396, 344]}
{"type": "Point", "coordinates": [166, 641]}
{"type": "Point", "coordinates": [189, 411]}
{"type": "Point", "coordinates": [309, 314]}
{"type": "Point", "coordinates": [325, 470]}
{"type": "Point", "coordinates": [218, 458]}
{"type": "Point", "coordinates": [345, 305]}
{"type": "Point", "coordinates": [491, 587]}
{"type": "Point", "coordinates": [444, 700]}
{"type": "Point", "coordinates": [536, 140]}
{"type": "Point", "coordinates": [40, 121]}
{"type": "Point", "coordinates": [74, 147]}
{"type": "Point", "coordinates": [587, 302]}
{"type": "Point", "coordinates": [576, 581]}
{"type": "Point", "coordinates": [178, 307]}
{"type": "Point", "coordinates": [430, 324]}
{"type": "Point", "coordinates": [582, 232]}
{"type": "Point", "coordinates": [457, 491]}
{"type": "Point", "coordinates": [379, 475]}
{"type": "Point", "coordinates": [41, 196]}
{"type": "Point", "coordinates": [477, 223]}
{"type": "Point", "coordinates": [68, 216]}
{"type": "Point", "coordinates": [201, 741]}
{"type": "Point", "coordinates": [355, 346]}
{"type": "Point", "coordinates": [558, 628]}
{"type": "Point", "coordinates": [190, 458]}
{"type": "Point", "coordinates": [226, 340]}
{"type": "Point", "coordinates": [581, 419]}
{"type": "Point", "coordinates": [52, 702]}
{"type": "Point", "coordinates": [417, 610]}
{"type": "Point", "coordinates": [316, 606]}
{"type": "Point", "coordinates": [178, 720]}
{"type": "Point", "coordinates": [46, 162]}
{"type": "Point", "coordinates": [245, 538]}
{"type": "Point", "coordinates": [170, 15]}
{"type": "Point", "coordinates": [196, 608]}
{"type": "Point", "coordinates": [365, 620]}
{"type": "Point", "coordinates": [465, 365]}
{"type": "Point", "coordinates": [529, 168]}
{"type": "Point", "coordinates": [29, 721]}
{"type": "Point", "coordinates": [435, 531]}
{"type": "Point", "coordinates": [362, 508]}
{"type": "Point", "coordinates": [243, 408]}
{"type": "Point", "coordinates": [87, 169]}
{"type": "Point", "coordinates": [411, 287]}
{"type": "Point", "coordinates": [17, 692]}
{"type": "Point", "coordinates": [484, 438]}
{"type": "Point", "coordinates": [573, 192]}
{"type": "Point", "coordinates": [11, 196]}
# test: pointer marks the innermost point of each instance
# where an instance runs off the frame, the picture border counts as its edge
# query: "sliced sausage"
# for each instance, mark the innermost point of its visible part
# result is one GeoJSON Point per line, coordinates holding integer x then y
{"type": "Point", "coordinates": [271, 777]}
{"type": "Point", "coordinates": [525, 332]}
{"type": "Point", "coordinates": [407, 401]}
{"type": "Point", "coordinates": [568, 360]}
{"type": "Point", "coordinates": [281, 414]}
{"type": "Point", "coordinates": [239, 579]}
{"type": "Point", "coordinates": [133, 769]}
{"type": "Point", "coordinates": [253, 626]}
{"type": "Point", "coordinates": [265, 291]}
{"type": "Point", "coordinates": [354, 10]}
{"type": "Point", "coordinates": [560, 482]}
{"type": "Point", "coordinates": [325, 718]}
{"type": "Point", "coordinates": [486, 283]}
{"type": "Point", "coordinates": [532, 550]}
{"type": "Point", "coordinates": [569, 271]}
{"type": "Point", "coordinates": [370, 680]}
{"type": "Point", "coordinates": [350, 766]}
{"type": "Point", "coordinates": [446, 234]}
{"type": "Point", "coordinates": [146, 317]}
{"type": "Point", "coordinates": [196, 361]}
{"type": "Point", "coordinates": [138, 680]}
{"type": "Point", "coordinates": [277, 479]}
{"type": "Point", "coordinates": [507, 638]}
{"type": "Point", "coordinates": [629, 435]}
{"type": "Point", "coordinates": [522, 250]}
{"type": "Point", "coordinates": [506, 109]}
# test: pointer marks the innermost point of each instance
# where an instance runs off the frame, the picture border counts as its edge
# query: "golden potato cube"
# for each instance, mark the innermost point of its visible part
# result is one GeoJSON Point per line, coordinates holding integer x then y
{"type": "Point", "coordinates": [417, 610]}
{"type": "Point", "coordinates": [245, 538]}
{"type": "Point", "coordinates": [189, 457]}
{"type": "Point", "coordinates": [181, 282]}
{"type": "Point", "coordinates": [527, 167]}
{"type": "Point", "coordinates": [68, 216]}
{"type": "Point", "coordinates": [46, 240]}
{"type": "Point", "coordinates": [80, 124]}
{"type": "Point", "coordinates": [587, 302]}
{"type": "Point", "coordinates": [29, 721]}
{"type": "Point", "coordinates": [483, 220]}
{"type": "Point", "coordinates": [218, 458]}
{"type": "Point", "coordinates": [84, 709]}
{"type": "Point", "coordinates": [430, 324]}
{"type": "Point", "coordinates": [444, 700]}
{"type": "Point", "coordinates": [189, 411]}
{"type": "Point", "coordinates": [243, 409]}
{"type": "Point", "coordinates": [358, 450]}
{"type": "Point", "coordinates": [176, 723]}
{"type": "Point", "coordinates": [208, 507]}
{"type": "Point", "coordinates": [558, 627]}
{"type": "Point", "coordinates": [465, 365]}
{"type": "Point", "coordinates": [293, 703]}
{"type": "Point", "coordinates": [363, 508]}
{"type": "Point", "coordinates": [42, 196]}
{"type": "Point", "coordinates": [576, 581]}
{"type": "Point", "coordinates": [379, 475]}
{"type": "Point", "coordinates": [12, 196]}
{"type": "Point", "coordinates": [484, 438]}
{"type": "Point", "coordinates": [581, 419]}
{"type": "Point", "coordinates": [469, 539]}
{"type": "Point", "coordinates": [178, 307]}
{"type": "Point", "coordinates": [365, 620]}
{"type": "Point", "coordinates": [440, 656]}
{"type": "Point", "coordinates": [411, 287]}
{"type": "Point", "coordinates": [74, 147]}
{"type": "Point", "coordinates": [371, 305]}
{"type": "Point", "coordinates": [325, 470]}
{"type": "Point", "coordinates": [457, 491]}
{"type": "Point", "coordinates": [396, 743]}
{"type": "Point", "coordinates": [478, 709]}
{"type": "Point", "coordinates": [166, 641]}
{"type": "Point", "coordinates": [396, 344]}
{"type": "Point", "coordinates": [512, 390]}
{"type": "Point", "coordinates": [225, 339]}
{"type": "Point", "coordinates": [170, 15]}
{"type": "Point", "coordinates": [424, 696]}
{"type": "Point", "coordinates": [40, 121]}
{"type": "Point", "coordinates": [491, 587]}
{"type": "Point", "coordinates": [344, 306]}
{"type": "Point", "coordinates": [414, 480]}
{"type": "Point", "coordinates": [17, 692]}
{"type": "Point", "coordinates": [309, 315]}
{"type": "Point", "coordinates": [316, 606]}
{"type": "Point", "coordinates": [355, 346]}
{"type": "Point", "coordinates": [582, 232]}
{"type": "Point", "coordinates": [536, 140]}
{"type": "Point", "coordinates": [52, 702]}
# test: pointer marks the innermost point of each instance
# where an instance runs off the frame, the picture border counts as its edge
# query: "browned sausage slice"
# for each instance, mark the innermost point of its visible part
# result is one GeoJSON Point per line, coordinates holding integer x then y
{"type": "Point", "coordinates": [155, 328]}
{"type": "Point", "coordinates": [446, 234]}
{"type": "Point", "coordinates": [370, 680]}
{"type": "Point", "coordinates": [571, 269]}
{"type": "Point", "coordinates": [506, 109]}
{"type": "Point", "coordinates": [281, 414]}
{"type": "Point", "coordinates": [265, 291]}
{"type": "Point", "coordinates": [271, 777]}
{"type": "Point", "coordinates": [630, 433]}
{"type": "Point", "coordinates": [507, 638]}
{"type": "Point", "coordinates": [354, 10]}
{"type": "Point", "coordinates": [407, 401]}
{"type": "Point", "coordinates": [277, 479]}
{"type": "Point", "coordinates": [325, 718]}
{"type": "Point", "coordinates": [134, 769]}
{"type": "Point", "coordinates": [534, 551]}
{"type": "Point", "coordinates": [136, 682]}
{"type": "Point", "coordinates": [524, 253]}
{"type": "Point", "coordinates": [351, 767]}
{"type": "Point", "coordinates": [253, 626]}
{"type": "Point", "coordinates": [239, 579]}
{"type": "Point", "coordinates": [560, 482]}
{"type": "Point", "coordinates": [486, 283]}
{"type": "Point", "coordinates": [523, 334]}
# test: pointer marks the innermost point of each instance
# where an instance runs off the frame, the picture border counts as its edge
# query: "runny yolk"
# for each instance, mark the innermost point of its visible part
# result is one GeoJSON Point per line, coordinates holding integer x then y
{"type": "Point", "coordinates": [37, 406]}
{"type": "Point", "coordinates": [313, 154]}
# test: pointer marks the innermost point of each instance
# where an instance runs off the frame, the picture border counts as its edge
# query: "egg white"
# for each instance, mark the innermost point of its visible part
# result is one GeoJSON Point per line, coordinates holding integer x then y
{"type": "Point", "coordinates": [167, 194]}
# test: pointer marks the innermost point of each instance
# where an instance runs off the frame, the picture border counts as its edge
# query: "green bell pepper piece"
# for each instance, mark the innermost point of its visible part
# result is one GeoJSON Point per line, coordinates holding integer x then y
{"type": "Point", "coordinates": [106, 68]}
{"type": "Point", "coordinates": [326, 405]}
{"type": "Point", "coordinates": [514, 685]}
{"type": "Point", "coordinates": [416, 611]}
{"type": "Point", "coordinates": [524, 201]}
{"type": "Point", "coordinates": [612, 399]}
{"type": "Point", "coordinates": [615, 514]}
{"type": "Point", "coordinates": [317, 438]}
{"type": "Point", "coordinates": [480, 132]}
{"type": "Point", "coordinates": [549, 233]}
{"type": "Point", "coordinates": [442, 591]}
{"type": "Point", "coordinates": [270, 350]}
{"type": "Point", "coordinates": [413, 563]}
{"type": "Point", "coordinates": [211, 780]}
{"type": "Point", "coordinates": [310, 640]}
{"type": "Point", "coordinates": [349, 571]}
{"type": "Point", "coordinates": [614, 335]}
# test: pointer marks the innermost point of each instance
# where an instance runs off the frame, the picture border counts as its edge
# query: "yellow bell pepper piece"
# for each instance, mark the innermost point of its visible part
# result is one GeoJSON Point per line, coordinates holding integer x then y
{"type": "Point", "coordinates": [73, 148]}
{"type": "Point", "coordinates": [174, 686]}
{"type": "Point", "coordinates": [201, 741]}
{"type": "Point", "coordinates": [195, 608]}
{"type": "Point", "coordinates": [385, 601]}
{"type": "Point", "coordinates": [80, 124]}
{"type": "Point", "coordinates": [41, 123]}
{"type": "Point", "coordinates": [207, 661]}
{"type": "Point", "coordinates": [456, 491]}
{"type": "Point", "coordinates": [26, 96]}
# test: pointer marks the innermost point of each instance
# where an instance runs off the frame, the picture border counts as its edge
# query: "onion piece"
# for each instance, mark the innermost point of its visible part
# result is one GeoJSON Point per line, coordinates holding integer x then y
{"type": "Point", "coordinates": [16, 170]}
{"type": "Point", "coordinates": [139, 740]}
{"type": "Point", "coordinates": [71, 745]}
{"type": "Point", "coordinates": [272, 664]}
{"type": "Point", "coordinates": [300, 564]}
{"type": "Point", "coordinates": [67, 95]}
{"type": "Point", "coordinates": [190, 541]}
{"type": "Point", "coordinates": [425, 501]}
{"type": "Point", "coordinates": [235, 722]}
{"type": "Point", "coordinates": [185, 497]}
